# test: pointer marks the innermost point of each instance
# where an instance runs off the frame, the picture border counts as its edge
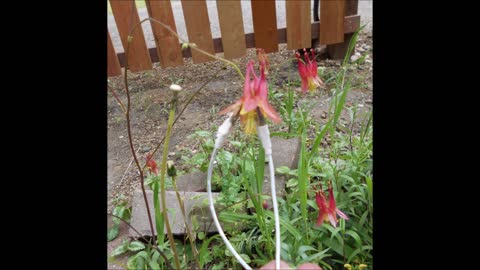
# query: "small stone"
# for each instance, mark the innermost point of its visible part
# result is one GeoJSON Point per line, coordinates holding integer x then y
{"type": "Point", "coordinates": [121, 137]}
{"type": "Point", "coordinates": [285, 152]}
{"type": "Point", "coordinates": [145, 149]}
{"type": "Point", "coordinates": [355, 57]}
{"type": "Point", "coordinates": [195, 181]}
{"type": "Point", "coordinates": [361, 105]}
{"type": "Point", "coordinates": [171, 153]}
{"type": "Point", "coordinates": [195, 203]}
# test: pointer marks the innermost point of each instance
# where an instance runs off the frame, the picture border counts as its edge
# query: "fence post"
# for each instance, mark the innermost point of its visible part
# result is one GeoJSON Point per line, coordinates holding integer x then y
{"type": "Point", "coordinates": [264, 18]}
{"type": "Point", "coordinates": [113, 66]}
{"type": "Point", "coordinates": [168, 45]}
{"type": "Point", "coordinates": [126, 16]}
{"type": "Point", "coordinates": [339, 50]}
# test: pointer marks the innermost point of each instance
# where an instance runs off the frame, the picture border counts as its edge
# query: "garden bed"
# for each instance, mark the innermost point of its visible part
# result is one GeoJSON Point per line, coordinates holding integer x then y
{"type": "Point", "coordinates": [150, 97]}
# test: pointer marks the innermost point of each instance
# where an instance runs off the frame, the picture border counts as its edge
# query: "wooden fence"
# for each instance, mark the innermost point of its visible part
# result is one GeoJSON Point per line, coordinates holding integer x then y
{"type": "Point", "coordinates": [338, 21]}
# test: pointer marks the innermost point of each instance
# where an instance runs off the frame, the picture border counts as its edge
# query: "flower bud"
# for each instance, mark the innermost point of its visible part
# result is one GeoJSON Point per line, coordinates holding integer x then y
{"type": "Point", "coordinates": [175, 87]}
{"type": "Point", "coordinates": [171, 170]}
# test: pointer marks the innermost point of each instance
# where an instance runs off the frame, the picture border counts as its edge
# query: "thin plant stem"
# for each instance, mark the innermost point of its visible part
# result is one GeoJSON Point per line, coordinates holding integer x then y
{"type": "Point", "coordinates": [182, 208]}
{"type": "Point", "coordinates": [132, 148]}
{"type": "Point", "coordinates": [119, 101]}
{"type": "Point", "coordinates": [171, 118]}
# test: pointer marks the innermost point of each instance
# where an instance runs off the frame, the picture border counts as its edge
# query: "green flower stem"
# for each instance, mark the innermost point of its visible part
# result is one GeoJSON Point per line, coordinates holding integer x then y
{"type": "Point", "coordinates": [182, 208]}
{"type": "Point", "coordinates": [171, 117]}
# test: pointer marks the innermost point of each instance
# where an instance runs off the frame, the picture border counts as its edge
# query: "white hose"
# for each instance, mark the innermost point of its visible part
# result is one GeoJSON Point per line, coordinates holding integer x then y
{"type": "Point", "coordinates": [222, 133]}
{"type": "Point", "coordinates": [264, 135]}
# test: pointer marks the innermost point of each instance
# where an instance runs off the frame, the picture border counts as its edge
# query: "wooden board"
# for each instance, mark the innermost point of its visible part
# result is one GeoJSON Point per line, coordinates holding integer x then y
{"type": "Point", "coordinates": [332, 13]}
{"type": "Point", "coordinates": [298, 24]}
{"type": "Point", "coordinates": [265, 25]}
{"type": "Point", "coordinates": [113, 67]}
{"type": "Point", "coordinates": [231, 28]}
{"type": "Point", "coordinates": [198, 28]}
{"type": "Point", "coordinates": [338, 51]}
{"type": "Point", "coordinates": [168, 49]}
{"type": "Point", "coordinates": [126, 16]}
{"type": "Point", "coordinates": [351, 24]}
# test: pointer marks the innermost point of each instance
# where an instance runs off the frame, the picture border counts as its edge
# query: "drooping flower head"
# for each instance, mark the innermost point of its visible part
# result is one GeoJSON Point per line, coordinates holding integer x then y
{"type": "Point", "coordinates": [151, 164]}
{"type": "Point", "coordinates": [255, 95]}
{"type": "Point", "coordinates": [263, 60]}
{"type": "Point", "coordinates": [308, 71]}
{"type": "Point", "coordinates": [327, 210]}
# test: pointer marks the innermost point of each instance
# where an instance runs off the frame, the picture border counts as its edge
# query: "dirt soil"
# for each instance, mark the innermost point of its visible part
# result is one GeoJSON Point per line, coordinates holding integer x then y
{"type": "Point", "coordinates": [150, 97]}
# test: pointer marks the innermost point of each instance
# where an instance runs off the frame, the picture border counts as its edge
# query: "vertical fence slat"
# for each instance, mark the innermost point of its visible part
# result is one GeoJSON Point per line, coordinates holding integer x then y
{"type": "Point", "coordinates": [338, 51]}
{"type": "Point", "coordinates": [265, 25]}
{"type": "Point", "coordinates": [198, 28]}
{"type": "Point", "coordinates": [332, 15]}
{"type": "Point", "coordinates": [138, 55]}
{"type": "Point", "coordinates": [299, 34]}
{"type": "Point", "coordinates": [168, 45]}
{"type": "Point", "coordinates": [113, 66]}
{"type": "Point", "coordinates": [231, 28]}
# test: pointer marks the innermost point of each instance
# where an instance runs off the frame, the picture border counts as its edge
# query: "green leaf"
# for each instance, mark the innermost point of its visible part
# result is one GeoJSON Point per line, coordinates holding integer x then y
{"type": "Point", "coordinates": [236, 143]}
{"type": "Point", "coordinates": [317, 256]}
{"type": "Point", "coordinates": [120, 249]}
{"type": "Point", "coordinates": [232, 217]}
{"type": "Point", "coordinates": [292, 182]}
{"type": "Point", "coordinates": [318, 139]}
{"type": "Point", "coordinates": [203, 133]}
{"type": "Point", "coordinates": [283, 170]}
{"type": "Point", "coordinates": [136, 246]}
{"type": "Point", "coordinates": [154, 265]}
{"type": "Point", "coordinates": [260, 169]}
{"type": "Point", "coordinates": [355, 236]}
{"type": "Point", "coordinates": [283, 223]}
{"type": "Point", "coordinates": [353, 254]}
{"type": "Point", "coordinates": [303, 180]}
{"type": "Point", "coordinates": [140, 263]}
{"type": "Point", "coordinates": [155, 256]}
{"type": "Point", "coordinates": [132, 263]}
{"type": "Point", "coordinates": [245, 258]}
{"type": "Point", "coordinates": [112, 233]}
{"type": "Point", "coordinates": [220, 266]}
{"type": "Point", "coordinates": [201, 235]}
{"type": "Point", "coordinates": [363, 218]}
{"type": "Point", "coordinates": [303, 249]}
{"type": "Point", "coordinates": [369, 187]}
{"type": "Point", "coordinates": [118, 211]}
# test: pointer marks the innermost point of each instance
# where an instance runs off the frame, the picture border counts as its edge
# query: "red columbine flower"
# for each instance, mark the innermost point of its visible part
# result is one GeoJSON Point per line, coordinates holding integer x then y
{"type": "Point", "coordinates": [254, 96]}
{"type": "Point", "coordinates": [308, 72]}
{"type": "Point", "coordinates": [263, 59]}
{"type": "Point", "coordinates": [151, 164]}
{"type": "Point", "coordinates": [327, 211]}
